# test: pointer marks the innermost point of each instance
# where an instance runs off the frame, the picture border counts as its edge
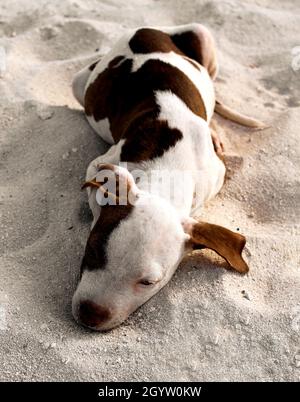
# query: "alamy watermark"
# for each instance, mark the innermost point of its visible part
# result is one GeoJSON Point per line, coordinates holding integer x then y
{"type": "Point", "coordinates": [3, 323]}
{"type": "Point", "coordinates": [295, 319]}
{"type": "Point", "coordinates": [295, 58]}
{"type": "Point", "coordinates": [117, 186]}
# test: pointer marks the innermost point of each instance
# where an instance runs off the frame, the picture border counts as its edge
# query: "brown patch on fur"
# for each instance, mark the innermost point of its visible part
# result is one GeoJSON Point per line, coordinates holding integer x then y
{"type": "Point", "coordinates": [196, 44]}
{"type": "Point", "coordinates": [95, 251]}
{"type": "Point", "coordinates": [110, 217]}
{"type": "Point", "coordinates": [101, 94]}
{"type": "Point", "coordinates": [149, 141]}
{"type": "Point", "coordinates": [199, 45]}
{"type": "Point", "coordinates": [148, 40]}
{"type": "Point", "coordinates": [128, 100]}
{"type": "Point", "coordinates": [189, 43]}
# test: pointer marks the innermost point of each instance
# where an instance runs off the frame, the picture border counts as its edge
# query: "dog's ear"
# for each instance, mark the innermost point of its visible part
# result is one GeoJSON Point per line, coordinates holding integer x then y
{"type": "Point", "coordinates": [115, 185]}
{"type": "Point", "coordinates": [226, 243]}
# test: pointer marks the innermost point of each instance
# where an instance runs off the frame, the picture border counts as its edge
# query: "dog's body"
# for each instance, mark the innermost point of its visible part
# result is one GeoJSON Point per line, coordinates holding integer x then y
{"type": "Point", "coordinates": [176, 89]}
{"type": "Point", "coordinates": [152, 98]}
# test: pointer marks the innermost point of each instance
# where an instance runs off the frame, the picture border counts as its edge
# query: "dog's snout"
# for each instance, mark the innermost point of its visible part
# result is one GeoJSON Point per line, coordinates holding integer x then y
{"type": "Point", "coordinates": [92, 315]}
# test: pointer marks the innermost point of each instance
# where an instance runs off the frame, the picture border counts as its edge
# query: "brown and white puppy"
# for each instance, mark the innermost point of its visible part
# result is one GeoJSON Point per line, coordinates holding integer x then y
{"type": "Point", "coordinates": [152, 98]}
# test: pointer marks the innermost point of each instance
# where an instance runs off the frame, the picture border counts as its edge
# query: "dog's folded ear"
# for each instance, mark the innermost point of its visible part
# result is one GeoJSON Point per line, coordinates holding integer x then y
{"type": "Point", "coordinates": [115, 185]}
{"type": "Point", "coordinates": [226, 243]}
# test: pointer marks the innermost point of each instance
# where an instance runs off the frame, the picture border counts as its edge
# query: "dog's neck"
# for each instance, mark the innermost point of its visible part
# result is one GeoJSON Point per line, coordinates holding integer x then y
{"type": "Point", "coordinates": [168, 182]}
{"type": "Point", "coordinates": [170, 175]}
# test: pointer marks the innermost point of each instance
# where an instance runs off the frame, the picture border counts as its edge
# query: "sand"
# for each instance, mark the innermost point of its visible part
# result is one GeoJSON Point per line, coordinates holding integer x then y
{"type": "Point", "coordinates": [208, 323]}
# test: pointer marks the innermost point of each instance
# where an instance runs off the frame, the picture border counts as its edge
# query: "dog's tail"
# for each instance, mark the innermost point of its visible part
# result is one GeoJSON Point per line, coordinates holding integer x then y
{"type": "Point", "coordinates": [230, 114]}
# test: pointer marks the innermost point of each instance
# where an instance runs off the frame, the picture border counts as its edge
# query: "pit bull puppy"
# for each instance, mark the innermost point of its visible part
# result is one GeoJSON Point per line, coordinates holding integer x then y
{"type": "Point", "coordinates": [152, 98]}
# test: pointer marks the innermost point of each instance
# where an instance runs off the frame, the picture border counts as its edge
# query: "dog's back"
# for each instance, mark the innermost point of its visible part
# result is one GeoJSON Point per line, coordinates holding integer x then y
{"type": "Point", "coordinates": [121, 88]}
{"type": "Point", "coordinates": [152, 95]}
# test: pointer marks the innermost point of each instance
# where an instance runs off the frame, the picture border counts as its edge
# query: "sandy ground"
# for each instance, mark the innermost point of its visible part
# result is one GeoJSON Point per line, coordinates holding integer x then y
{"type": "Point", "coordinates": [209, 323]}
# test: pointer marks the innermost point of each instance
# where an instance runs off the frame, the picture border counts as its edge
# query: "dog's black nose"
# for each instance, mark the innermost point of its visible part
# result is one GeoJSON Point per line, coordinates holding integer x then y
{"type": "Point", "coordinates": [92, 315]}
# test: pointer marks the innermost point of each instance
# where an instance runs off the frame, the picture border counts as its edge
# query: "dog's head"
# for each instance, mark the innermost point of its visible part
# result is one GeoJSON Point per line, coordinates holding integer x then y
{"type": "Point", "coordinates": [134, 249]}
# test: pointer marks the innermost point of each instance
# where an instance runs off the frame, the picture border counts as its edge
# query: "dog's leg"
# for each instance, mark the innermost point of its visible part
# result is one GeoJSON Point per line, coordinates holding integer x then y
{"type": "Point", "coordinates": [79, 82]}
{"type": "Point", "coordinates": [195, 41]}
{"type": "Point", "coordinates": [231, 114]}
{"type": "Point", "coordinates": [218, 144]}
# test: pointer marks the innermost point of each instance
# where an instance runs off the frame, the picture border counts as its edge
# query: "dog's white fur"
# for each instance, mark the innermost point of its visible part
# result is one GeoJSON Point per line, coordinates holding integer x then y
{"type": "Point", "coordinates": [150, 243]}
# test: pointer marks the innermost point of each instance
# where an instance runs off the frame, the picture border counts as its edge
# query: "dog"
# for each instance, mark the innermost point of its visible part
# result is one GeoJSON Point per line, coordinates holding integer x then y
{"type": "Point", "coordinates": [152, 98]}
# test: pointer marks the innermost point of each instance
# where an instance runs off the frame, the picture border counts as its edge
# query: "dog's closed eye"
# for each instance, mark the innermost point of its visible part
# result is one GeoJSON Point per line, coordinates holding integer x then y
{"type": "Point", "coordinates": [147, 282]}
